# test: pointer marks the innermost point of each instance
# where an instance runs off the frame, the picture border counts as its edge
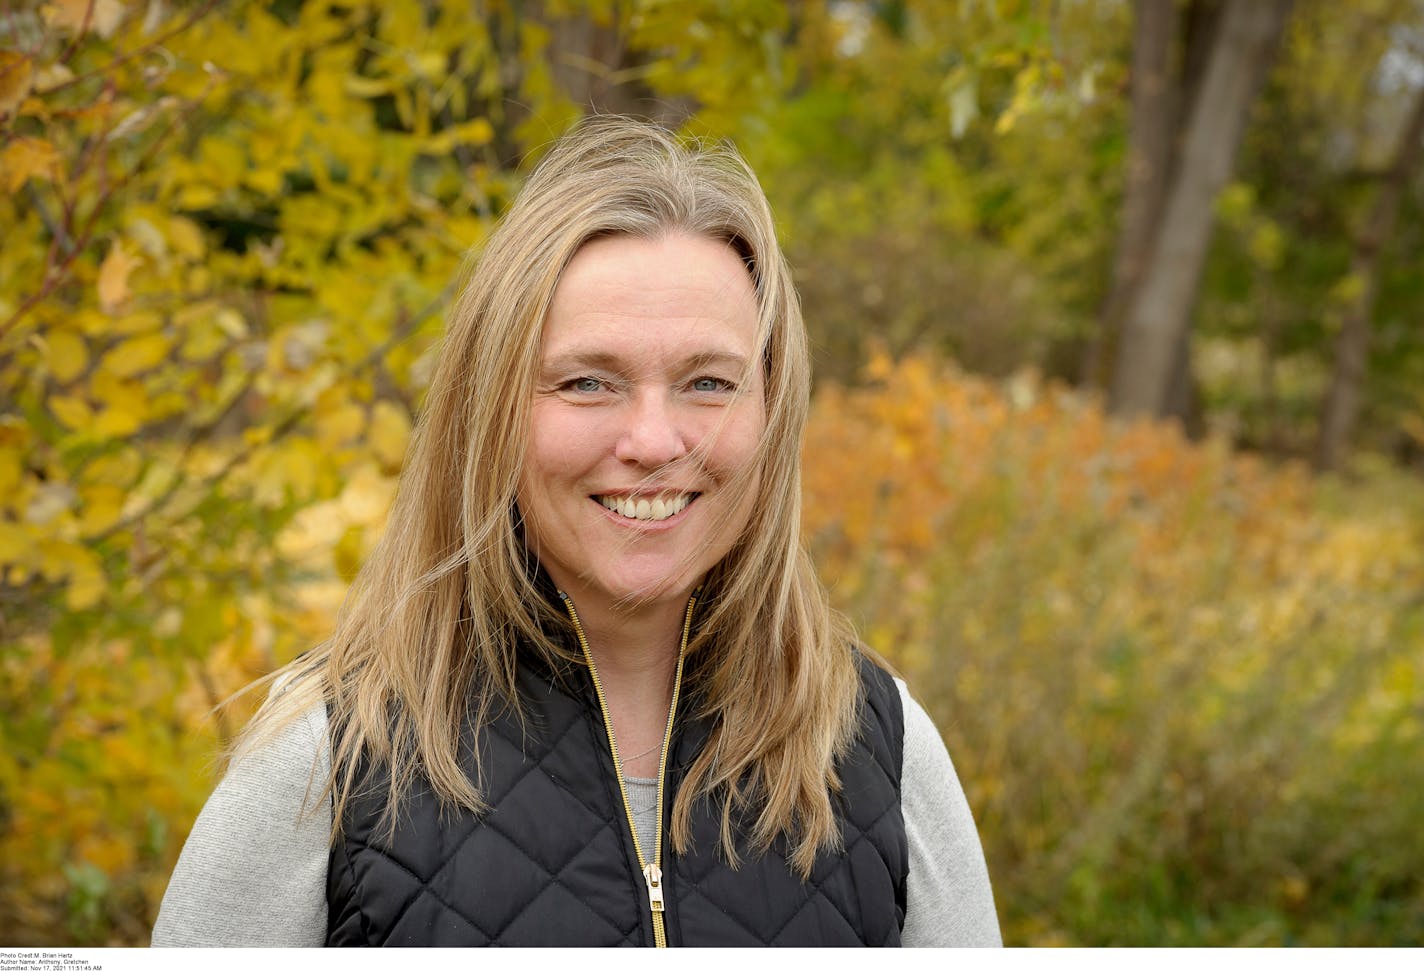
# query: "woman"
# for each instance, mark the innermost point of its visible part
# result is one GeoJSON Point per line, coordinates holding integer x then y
{"type": "Point", "coordinates": [588, 690]}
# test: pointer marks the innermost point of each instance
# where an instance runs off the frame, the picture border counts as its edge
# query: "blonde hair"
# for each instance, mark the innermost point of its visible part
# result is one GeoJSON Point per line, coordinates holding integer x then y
{"type": "Point", "coordinates": [431, 629]}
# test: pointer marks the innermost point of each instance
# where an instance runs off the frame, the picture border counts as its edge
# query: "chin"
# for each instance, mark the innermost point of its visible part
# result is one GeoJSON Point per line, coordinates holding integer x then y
{"type": "Point", "coordinates": [634, 592]}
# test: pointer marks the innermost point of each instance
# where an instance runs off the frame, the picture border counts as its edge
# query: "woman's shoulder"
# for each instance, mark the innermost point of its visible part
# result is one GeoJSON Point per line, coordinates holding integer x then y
{"type": "Point", "coordinates": [253, 870]}
{"type": "Point", "coordinates": [923, 745]}
{"type": "Point", "coordinates": [294, 743]}
{"type": "Point", "coordinates": [928, 776]}
{"type": "Point", "coordinates": [951, 901]}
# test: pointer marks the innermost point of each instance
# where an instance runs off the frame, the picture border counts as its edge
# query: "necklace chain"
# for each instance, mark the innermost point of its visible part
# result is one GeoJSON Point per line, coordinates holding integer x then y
{"type": "Point", "coordinates": [626, 759]}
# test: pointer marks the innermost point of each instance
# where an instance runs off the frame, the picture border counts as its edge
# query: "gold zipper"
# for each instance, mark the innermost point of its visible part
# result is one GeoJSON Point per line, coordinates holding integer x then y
{"type": "Point", "coordinates": [652, 871]}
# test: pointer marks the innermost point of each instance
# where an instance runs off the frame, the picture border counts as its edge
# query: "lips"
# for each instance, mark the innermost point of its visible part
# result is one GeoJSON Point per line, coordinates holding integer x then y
{"type": "Point", "coordinates": [658, 506]}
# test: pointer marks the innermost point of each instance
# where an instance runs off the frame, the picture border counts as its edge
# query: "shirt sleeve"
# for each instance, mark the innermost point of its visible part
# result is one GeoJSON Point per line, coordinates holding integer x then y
{"type": "Point", "coordinates": [253, 870]}
{"type": "Point", "coordinates": [950, 902]}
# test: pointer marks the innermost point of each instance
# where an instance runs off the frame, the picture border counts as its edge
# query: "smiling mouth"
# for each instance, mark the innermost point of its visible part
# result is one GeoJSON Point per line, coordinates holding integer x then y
{"type": "Point", "coordinates": [654, 508]}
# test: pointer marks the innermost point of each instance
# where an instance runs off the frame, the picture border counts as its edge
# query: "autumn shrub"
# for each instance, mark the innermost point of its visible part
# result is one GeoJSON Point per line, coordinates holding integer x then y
{"type": "Point", "coordinates": [1181, 694]}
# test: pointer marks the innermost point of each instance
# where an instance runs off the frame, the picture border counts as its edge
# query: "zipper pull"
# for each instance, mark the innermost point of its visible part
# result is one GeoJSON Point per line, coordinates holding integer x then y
{"type": "Point", "coordinates": [654, 876]}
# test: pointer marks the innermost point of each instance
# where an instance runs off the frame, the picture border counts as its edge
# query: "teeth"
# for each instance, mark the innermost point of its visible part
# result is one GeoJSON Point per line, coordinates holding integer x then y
{"type": "Point", "coordinates": [659, 508]}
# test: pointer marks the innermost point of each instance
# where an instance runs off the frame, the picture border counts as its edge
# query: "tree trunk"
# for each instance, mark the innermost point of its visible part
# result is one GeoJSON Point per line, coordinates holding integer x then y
{"type": "Point", "coordinates": [1342, 403]}
{"type": "Point", "coordinates": [1158, 316]}
{"type": "Point", "coordinates": [1149, 155]}
{"type": "Point", "coordinates": [1200, 30]}
{"type": "Point", "coordinates": [1184, 400]}
{"type": "Point", "coordinates": [591, 62]}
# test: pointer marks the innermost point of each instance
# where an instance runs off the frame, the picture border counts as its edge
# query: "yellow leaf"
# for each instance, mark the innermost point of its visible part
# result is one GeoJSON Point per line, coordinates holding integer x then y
{"type": "Point", "coordinates": [233, 324]}
{"type": "Point", "coordinates": [102, 17]}
{"type": "Point", "coordinates": [100, 507]}
{"type": "Point", "coordinates": [359, 87]}
{"type": "Point", "coordinates": [114, 277]}
{"type": "Point", "coordinates": [366, 497]}
{"type": "Point", "coordinates": [72, 411]}
{"type": "Point", "coordinates": [120, 468]}
{"type": "Point", "coordinates": [314, 529]}
{"type": "Point", "coordinates": [477, 131]}
{"type": "Point", "coordinates": [52, 76]}
{"type": "Point", "coordinates": [17, 543]}
{"type": "Point", "coordinates": [68, 356]}
{"type": "Point", "coordinates": [28, 158]}
{"type": "Point", "coordinates": [123, 404]}
{"type": "Point", "coordinates": [91, 321]}
{"type": "Point", "coordinates": [16, 76]}
{"type": "Point", "coordinates": [204, 341]}
{"type": "Point", "coordinates": [196, 195]}
{"type": "Point", "coordinates": [11, 471]}
{"type": "Point", "coordinates": [13, 431]}
{"type": "Point", "coordinates": [267, 181]}
{"type": "Point", "coordinates": [348, 553]}
{"type": "Point", "coordinates": [86, 577]}
{"type": "Point", "coordinates": [168, 623]}
{"type": "Point", "coordinates": [135, 322]}
{"type": "Point", "coordinates": [85, 590]}
{"type": "Point", "coordinates": [389, 434]}
{"type": "Point", "coordinates": [465, 230]}
{"type": "Point", "coordinates": [186, 238]}
{"type": "Point", "coordinates": [137, 354]}
{"type": "Point", "coordinates": [304, 465]}
{"type": "Point", "coordinates": [430, 64]}
{"type": "Point", "coordinates": [339, 425]}
{"type": "Point", "coordinates": [50, 501]}
{"type": "Point", "coordinates": [222, 162]}
{"type": "Point", "coordinates": [149, 239]}
{"type": "Point", "coordinates": [118, 420]}
{"type": "Point", "coordinates": [35, 108]}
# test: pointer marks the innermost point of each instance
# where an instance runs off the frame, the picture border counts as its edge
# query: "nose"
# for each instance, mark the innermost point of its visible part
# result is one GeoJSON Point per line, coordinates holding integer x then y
{"type": "Point", "coordinates": [653, 436]}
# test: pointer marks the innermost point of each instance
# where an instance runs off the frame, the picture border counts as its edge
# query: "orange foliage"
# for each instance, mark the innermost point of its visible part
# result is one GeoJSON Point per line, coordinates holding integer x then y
{"type": "Point", "coordinates": [1131, 640]}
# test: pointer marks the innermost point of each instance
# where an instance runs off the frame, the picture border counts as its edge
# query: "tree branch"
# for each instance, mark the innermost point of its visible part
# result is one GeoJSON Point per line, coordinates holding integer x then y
{"type": "Point", "coordinates": [280, 430]}
{"type": "Point", "coordinates": [193, 18]}
{"type": "Point", "coordinates": [54, 273]}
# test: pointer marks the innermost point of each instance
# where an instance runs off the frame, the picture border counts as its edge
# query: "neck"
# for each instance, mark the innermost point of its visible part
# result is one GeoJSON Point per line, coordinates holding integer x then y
{"type": "Point", "coordinates": [636, 656]}
{"type": "Point", "coordinates": [635, 651]}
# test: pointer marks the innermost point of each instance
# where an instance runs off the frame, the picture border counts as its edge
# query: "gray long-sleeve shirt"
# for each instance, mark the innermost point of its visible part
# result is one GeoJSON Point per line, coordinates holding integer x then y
{"type": "Point", "coordinates": [253, 871]}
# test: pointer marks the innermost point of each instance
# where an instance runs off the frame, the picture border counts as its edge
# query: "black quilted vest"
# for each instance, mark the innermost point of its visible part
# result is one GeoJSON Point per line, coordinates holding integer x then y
{"type": "Point", "coordinates": [552, 862]}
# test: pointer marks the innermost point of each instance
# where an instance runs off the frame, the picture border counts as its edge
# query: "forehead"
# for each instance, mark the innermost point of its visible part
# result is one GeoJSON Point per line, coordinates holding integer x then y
{"type": "Point", "coordinates": [675, 289]}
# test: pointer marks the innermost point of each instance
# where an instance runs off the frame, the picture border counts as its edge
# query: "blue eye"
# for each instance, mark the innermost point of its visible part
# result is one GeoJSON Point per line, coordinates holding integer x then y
{"type": "Point", "coordinates": [586, 385]}
{"type": "Point", "coordinates": [711, 385]}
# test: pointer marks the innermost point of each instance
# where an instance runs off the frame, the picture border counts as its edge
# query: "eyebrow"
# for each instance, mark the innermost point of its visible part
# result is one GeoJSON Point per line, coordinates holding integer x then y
{"type": "Point", "coordinates": [607, 361]}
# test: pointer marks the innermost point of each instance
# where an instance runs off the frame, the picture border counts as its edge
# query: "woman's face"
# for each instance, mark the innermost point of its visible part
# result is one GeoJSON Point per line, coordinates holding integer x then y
{"type": "Point", "coordinates": [647, 413]}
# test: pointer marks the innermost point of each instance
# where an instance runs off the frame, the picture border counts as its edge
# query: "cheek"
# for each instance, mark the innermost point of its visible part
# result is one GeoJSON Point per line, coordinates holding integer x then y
{"type": "Point", "coordinates": [737, 457]}
{"type": "Point", "coordinates": [538, 480]}
{"type": "Point", "coordinates": [744, 444]}
{"type": "Point", "coordinates": [554, 449]}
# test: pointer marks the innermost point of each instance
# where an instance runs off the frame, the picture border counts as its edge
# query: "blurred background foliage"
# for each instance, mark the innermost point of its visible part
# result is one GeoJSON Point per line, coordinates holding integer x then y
{"type": "Point", "coordinates": [1178, 667]}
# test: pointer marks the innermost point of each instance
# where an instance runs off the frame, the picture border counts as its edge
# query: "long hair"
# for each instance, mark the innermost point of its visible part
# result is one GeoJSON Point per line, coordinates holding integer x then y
{"type": "Point", "coordinates": [430, 632]}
